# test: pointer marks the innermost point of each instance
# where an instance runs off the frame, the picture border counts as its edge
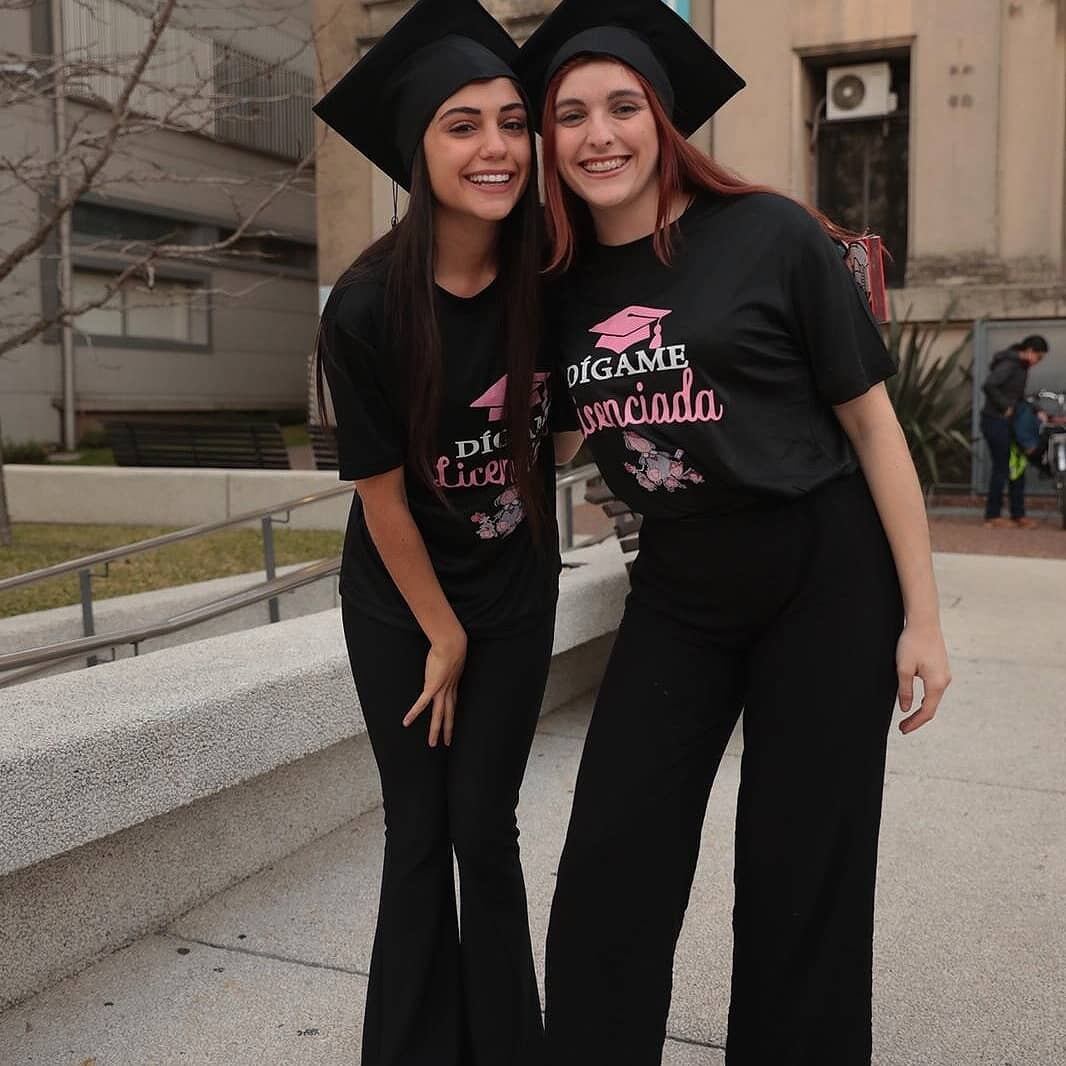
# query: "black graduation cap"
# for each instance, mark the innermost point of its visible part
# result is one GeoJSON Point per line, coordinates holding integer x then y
{"type": "Point", "coordinates": [383, 104]}
{"type": "Point", "coordinates": [691, 78]}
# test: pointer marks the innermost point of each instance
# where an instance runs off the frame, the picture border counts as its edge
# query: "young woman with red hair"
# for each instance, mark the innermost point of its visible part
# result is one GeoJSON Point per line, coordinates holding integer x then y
{"type": "Point", "coordinates": [728, 377]}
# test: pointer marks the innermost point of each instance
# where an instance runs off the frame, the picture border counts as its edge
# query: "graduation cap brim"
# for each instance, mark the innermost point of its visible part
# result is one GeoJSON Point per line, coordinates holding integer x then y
{"type": "Point", "coordinates": [701, 81]}
{"type": "Point", "coordinates": [384, 103]}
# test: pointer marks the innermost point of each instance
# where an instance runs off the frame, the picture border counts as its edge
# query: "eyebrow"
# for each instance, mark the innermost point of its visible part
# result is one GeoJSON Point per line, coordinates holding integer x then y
{"type": "Point", "coordinates": [615, 94]}
{"type": "Point", "coordinates": [476, 111]}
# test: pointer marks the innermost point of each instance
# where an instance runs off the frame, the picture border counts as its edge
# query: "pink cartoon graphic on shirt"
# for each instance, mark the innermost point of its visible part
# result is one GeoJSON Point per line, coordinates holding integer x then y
{"type": "Point", "coordinates": [659, 470]}
{"type": "Point", "coordinates": [505, 520]}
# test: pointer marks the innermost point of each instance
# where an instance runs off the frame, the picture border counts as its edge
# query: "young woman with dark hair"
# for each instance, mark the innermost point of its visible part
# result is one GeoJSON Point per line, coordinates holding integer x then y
{"type": "Point", "coordinates": [430, 346]}
{"type": "Point", "coordinates": [728, 377]}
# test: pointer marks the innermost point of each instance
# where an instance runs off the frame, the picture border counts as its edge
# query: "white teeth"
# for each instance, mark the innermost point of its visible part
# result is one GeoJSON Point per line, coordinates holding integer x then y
{"type": "Point", "coordinates": [604, 166]}
{"type": "Point", "coordinates": [490, 179]}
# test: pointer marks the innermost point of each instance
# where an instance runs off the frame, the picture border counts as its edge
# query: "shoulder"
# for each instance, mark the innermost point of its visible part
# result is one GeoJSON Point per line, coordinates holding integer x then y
{"type": "Point", "coordinates": [767, 224]}
{"type": "Point", "coordinates": [356, 304]}
{"type": "Point", "coordinates": [789, 219]}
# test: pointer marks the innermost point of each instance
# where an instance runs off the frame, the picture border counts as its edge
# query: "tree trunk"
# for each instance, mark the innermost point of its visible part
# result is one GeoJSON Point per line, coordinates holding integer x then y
{"type": "Point", "coordinates": [5, 518]}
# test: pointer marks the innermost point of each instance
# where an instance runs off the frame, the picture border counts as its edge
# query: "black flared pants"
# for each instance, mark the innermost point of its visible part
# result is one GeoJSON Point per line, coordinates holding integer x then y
{"type": "Point", "coordinates": [791, 613]}
{"type": "Point", "coordinates": [448, 989]}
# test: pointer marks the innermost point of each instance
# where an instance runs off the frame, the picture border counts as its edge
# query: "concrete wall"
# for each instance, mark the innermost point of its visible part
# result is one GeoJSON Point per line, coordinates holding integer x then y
{"type": "Point", "coordinates": [988, 111]}
{"type": "Point", "coordinates": [135, 791]}
{"type": "Point", "coordinates": [29, 376]}
{"type": "Point", "coordinates": [111, 495]}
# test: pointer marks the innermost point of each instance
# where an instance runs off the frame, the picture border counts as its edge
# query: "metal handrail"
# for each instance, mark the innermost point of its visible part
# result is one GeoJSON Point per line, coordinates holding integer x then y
{"type": "Point", "coordinates": [33, 660]}
{"type": "Point", "coordinates": [577, 476]}
{"type": "Point", "coordinates": [87, 562]}
{"type": "Point", "coordinates": [564, 493]}
{"type": "Point", "coordinates": [19, 666]}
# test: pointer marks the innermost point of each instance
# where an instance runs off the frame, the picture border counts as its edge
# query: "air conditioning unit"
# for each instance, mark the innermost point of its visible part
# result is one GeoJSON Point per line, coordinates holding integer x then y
{"type": "Point", "coordinates": [860, 91]}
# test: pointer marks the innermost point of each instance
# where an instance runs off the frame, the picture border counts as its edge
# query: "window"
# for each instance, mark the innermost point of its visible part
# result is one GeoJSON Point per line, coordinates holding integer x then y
{"type": "Point", "coordinates": [111, 228]}
{"type": "Point", "coordinates": [97, 223]}
{"type": "Point", "coordinates": [173, 310]}
{"type": "Point", "coordinates": [192, 80]}
{"type": "Point", "coordinates": [862, 165]}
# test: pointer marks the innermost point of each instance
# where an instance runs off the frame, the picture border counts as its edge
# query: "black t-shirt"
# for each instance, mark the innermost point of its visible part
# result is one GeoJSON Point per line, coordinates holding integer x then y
{"type": "Point", "coordinates": [480, 543]}
{"type": "Point", "coordinates": [708, 386]}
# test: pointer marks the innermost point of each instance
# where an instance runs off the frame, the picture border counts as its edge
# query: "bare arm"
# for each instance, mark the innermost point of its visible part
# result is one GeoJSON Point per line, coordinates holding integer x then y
{"type": "Point", "coordinates": [567, 445]}
{"type": "Point", "coordinates": [871, 424]}
{"type": "Point", "coordinates": [403, 551]}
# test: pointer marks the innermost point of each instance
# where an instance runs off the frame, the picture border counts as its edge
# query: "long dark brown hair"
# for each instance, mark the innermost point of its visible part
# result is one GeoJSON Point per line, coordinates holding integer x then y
{"type": "Point", "coordinates": [683, 168]}
{"type": "Point", "coordinates": [407, 255]}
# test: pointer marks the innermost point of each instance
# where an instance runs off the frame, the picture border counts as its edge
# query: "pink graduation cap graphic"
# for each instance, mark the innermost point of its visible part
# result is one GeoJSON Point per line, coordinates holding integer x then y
{"type": "Point", "coordinates": [495, 399]}
{"type": "Point", "coordinates": [631, 326]}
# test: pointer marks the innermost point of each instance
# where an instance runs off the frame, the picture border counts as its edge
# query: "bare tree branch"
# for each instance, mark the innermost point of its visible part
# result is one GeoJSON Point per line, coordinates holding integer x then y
{"type": "Point", "coordinates": [119, 113]}
{"type": "Point", "coordinates": [145, 264]}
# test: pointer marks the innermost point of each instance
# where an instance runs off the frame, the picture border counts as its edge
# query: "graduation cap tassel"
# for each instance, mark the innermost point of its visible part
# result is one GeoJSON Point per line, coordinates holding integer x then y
{"type": "Point", "coordinates": [395, 205]}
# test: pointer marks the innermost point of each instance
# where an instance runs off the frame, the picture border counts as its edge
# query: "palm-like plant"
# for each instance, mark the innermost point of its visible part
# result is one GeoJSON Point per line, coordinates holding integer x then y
{"type": "Point", "coordinates": [930, 399]}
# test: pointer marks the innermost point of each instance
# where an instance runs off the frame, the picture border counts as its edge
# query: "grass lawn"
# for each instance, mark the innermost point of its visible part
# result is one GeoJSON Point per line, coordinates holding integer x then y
{"type": "Point", "coordinates": [222, 554]}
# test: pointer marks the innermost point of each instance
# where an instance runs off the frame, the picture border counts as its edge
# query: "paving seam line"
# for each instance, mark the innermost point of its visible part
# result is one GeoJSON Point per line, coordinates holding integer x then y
{"type": "Point", "coordinates": [694, 1043]}
{"type": "Point", "coordinates": [982, 784]}
{"type": "Point", "coordinates": [360, 973]}
{"type": "Point", "coordinates": [265, 955]}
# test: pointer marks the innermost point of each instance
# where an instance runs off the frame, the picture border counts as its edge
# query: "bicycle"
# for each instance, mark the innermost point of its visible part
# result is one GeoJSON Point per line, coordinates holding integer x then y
{"type": "Point", "coordinates": [1052, 461]}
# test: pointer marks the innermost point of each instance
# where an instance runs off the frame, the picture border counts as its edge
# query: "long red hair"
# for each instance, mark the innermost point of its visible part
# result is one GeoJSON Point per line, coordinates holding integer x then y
{"type": "Point", "coordinates": [683, 168]}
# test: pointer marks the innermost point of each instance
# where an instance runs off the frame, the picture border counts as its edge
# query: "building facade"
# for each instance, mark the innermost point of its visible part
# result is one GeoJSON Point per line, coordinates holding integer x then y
{"type": "Point", "coordinates": [955, 152]}
{"type": "Point", "coordinates": [222, 332]}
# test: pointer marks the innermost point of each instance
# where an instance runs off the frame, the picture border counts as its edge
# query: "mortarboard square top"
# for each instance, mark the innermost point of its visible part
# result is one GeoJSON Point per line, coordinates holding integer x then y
{"type": "Point", "coordinates": [383, 105]}
{"type": "Point", "coordinates": [631, 326]}
{"type": "Point", "coordinates": [692, 80]}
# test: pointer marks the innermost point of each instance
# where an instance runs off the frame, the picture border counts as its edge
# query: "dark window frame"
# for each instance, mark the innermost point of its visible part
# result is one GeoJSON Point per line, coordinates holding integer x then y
{"type": "Point", "coordinates": [899, 54]}
{"type": "Point", "coordinates": [167, 272]}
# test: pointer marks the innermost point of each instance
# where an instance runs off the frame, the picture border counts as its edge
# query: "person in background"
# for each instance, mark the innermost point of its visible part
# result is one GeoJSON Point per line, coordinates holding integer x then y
{"type": "Point", "coordinates": [1004, 388]}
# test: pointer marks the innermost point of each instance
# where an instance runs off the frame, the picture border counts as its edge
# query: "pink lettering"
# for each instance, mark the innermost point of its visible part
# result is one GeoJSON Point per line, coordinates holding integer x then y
{"type": "Point", "coordinates": [658, 409]}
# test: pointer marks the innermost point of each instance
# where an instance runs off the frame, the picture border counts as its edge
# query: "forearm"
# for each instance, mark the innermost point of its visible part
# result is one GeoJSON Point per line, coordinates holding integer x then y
{"type": "Point", "coordinates": [889, 469]}
{"type": "Point", "coordinates": [403, 551]}
{"type": "Point", "coordinates": [567, 444]}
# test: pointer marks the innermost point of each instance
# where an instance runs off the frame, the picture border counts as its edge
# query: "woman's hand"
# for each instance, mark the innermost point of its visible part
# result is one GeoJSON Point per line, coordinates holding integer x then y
{"type": "Point", "coordinates": [444, 668]}
{"type": "Point", "coordinates": [921, 653]}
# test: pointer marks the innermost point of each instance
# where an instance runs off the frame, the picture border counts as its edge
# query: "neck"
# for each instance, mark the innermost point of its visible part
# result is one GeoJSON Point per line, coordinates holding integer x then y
{"type": "Point", "coordinates": [634, 220]}
{"type": "Point", "coordinates": [466, 255]}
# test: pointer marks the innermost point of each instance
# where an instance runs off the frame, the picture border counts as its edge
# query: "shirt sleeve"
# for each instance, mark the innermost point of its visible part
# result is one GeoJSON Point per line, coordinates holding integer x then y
{"type": "Point", "coordinates": [839, 333]}
{"type": "Point", "coordinates": [370, 440]}
{"type": "Point", "coordinates": [563, 417]}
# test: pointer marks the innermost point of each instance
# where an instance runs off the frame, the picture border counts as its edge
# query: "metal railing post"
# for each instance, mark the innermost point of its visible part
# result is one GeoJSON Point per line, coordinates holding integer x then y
{"type": "Point", "coordinates": [269, 564]}
{"type": "Point", "coordinates": [88, 625]}
{"type": "Point", "coordinates": [564, 510]}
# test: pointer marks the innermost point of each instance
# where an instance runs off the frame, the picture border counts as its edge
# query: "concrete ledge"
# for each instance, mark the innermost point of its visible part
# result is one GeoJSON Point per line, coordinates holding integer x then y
{"type": "Point", "coordinates": [113, 495]}
{"type": "Point", "coordinates": [131, 792]}
{"type": "Point", "coordinates": [60, 915]}
{"type": "Point", "coordinates": [88, 754]}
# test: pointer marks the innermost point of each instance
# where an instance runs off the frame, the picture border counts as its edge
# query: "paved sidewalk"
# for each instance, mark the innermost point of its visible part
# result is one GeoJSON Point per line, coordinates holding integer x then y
{"type": "Point", "coordinates": [971, 932]}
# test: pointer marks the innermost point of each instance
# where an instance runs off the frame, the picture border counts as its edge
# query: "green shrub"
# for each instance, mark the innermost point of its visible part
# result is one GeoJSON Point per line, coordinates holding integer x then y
{"type": "Point", "coordinates": [932, 399]}
{"type": "Point", "coordinates": [30, 451]}
{"type": "Point", "coordinates": [94, 438]}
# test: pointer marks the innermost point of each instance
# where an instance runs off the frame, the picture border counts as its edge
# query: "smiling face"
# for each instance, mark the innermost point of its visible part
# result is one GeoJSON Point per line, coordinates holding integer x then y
{"type": "Point", "coordinates": [478, 150]}
{"type": "Point", "coordinates": [606, 141]}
